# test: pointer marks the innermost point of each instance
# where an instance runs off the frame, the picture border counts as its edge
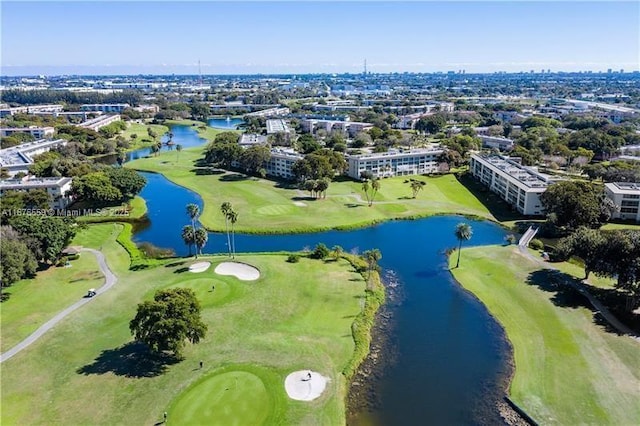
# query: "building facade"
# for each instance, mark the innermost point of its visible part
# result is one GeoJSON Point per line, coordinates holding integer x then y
{"type": "Point", "coordinates": [58, 188]}
{"type": "Point", "coordinates": [503, 144]}
{"type": "Point", "coordinates": [117, 108]}
{"type": "Point", "coordinates": [281, 163]}
{"type": "Point", "coordinates": [395, 163]}
{"type": "Point", "coordinates": [350, 127]}
{"type": "Point", "coordinates": [18, 158]}
{"type": "Point", "coordinates": [518, 185]}
{"type": "Point", "coordinates": [97, 123]}
{"type": "Point", "coordinates": [625, 195]}
{"type": "Point", "coordinates": [36, 132]}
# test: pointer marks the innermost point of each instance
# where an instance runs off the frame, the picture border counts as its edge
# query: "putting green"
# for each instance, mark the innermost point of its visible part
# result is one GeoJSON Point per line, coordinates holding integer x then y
{"type": "Point", "coordinates": [227, 399]}
{"type": "Point", "coordinates": [203, 289]}
{"type": "Point", "coordinates": [276, 210]}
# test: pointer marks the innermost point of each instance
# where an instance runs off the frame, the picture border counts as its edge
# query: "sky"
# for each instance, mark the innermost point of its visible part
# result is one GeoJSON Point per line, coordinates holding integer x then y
{"type": "Point", "coordinates": [143, 37]}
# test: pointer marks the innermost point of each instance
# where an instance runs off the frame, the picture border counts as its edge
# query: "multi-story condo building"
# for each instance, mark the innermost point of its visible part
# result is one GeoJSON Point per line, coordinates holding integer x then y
{"type": "Point", "coordinates": [281, 162]}
{"type": "Point", "coordinates": [395, 163]}
{"type": "Point", "coordinates": [58, 188]}
{"type": "Point", "coordinates": [31, 109]}
{"type": "Point", "coordinates": [350, 127]}
{"type": "Point", "coordinates": [117, 108]}
{"type": "Point", "coordinates": [18, 158]}
{"type": "Point", "coordinates": [36, 132]}
{"type": "Point", "coordinates": [518, 185]}
{"type": "Point", "coordinates": [625, 195]}
{"type": "Point", "coordinates": [97, 123]}
{"type": "Point", "coordinates": [270, 112]}
{"type": "Point", "coordinates": [251, 139]}
{"type": "Point", "coordinates": [503, 144]}
{"type": "Point", "coordinates": [277, 126]}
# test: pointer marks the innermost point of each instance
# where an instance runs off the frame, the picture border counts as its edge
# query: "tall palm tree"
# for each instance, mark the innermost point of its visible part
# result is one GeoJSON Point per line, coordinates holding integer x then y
{"type": "Point", "coordinates": [226, 208]}
{"type": "Point", "coordinates": [233, 218]}
{"type": "Point", "coordinates": [366, 188]}
{"type": "Point", "coordinates": [188, 236]}
{"type": "Point", "coordinates": [178, 149]}
{"type": "Point", "coordinates": [337, 251]}
{"type": "Point", "coordinates": [372, 257]}
{"type": "Point", "coordinates": [375, 187]}
{"type": "Point", "coordinates": [416, 186]}
{"type": "Point", "coordinates": [193, 211]}
{"type": "Point", "coordinates": [463, 233]}
{"type": "Point", "coordinates": [200, 237]}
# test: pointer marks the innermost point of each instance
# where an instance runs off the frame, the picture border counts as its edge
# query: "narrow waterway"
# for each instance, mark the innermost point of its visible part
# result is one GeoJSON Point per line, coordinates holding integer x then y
{"type": "Point", "coordinates": [450, 359]}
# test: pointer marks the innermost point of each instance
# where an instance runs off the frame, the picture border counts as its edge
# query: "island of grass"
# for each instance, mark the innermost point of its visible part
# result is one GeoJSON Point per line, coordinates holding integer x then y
{"type": "Point", "coordinates": [268, 206]}
{"type": "Point", "coordinates": [569, 367]}
{"type": "Point", "coordinates": [87, 370]}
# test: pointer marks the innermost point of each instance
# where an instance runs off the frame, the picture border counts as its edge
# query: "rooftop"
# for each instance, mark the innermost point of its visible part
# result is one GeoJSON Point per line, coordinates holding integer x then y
{"type": "Point", "coordinates": [523, 174]}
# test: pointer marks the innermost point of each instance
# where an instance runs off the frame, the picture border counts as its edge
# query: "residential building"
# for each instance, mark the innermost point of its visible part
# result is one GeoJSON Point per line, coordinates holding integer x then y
{"type": "Point", "coordinates": [503, 144]}
{"type": "Point", "coordinates": [395, 163]}
{"type": "Point", "coordinates": [518, 185]}
{"type": "Point", "coordinates": [58, 188]}
{"type": "Point", "coordinates": [18, 158]}
{"type": "Point", "coordinates": [118, 108]}
{"type": "Point", "coordinates": [625, 195]}
{"type": "Point", "coordinates": [251, 139]}
{"type": "Point", "coordinates": [31, 109]}
{"type": "Point", "coordinates": [281, 162]}
{"type": "Point", "coordinates": [277, 126]}
{"type": "Point", "coordinates": [36, 132]}
{"type": "Point", "coordinates": [270, 112]}
{"type": "Point", "coordinates": [350, 127]}
{"type": "Point", "coordinates": [97, 123]}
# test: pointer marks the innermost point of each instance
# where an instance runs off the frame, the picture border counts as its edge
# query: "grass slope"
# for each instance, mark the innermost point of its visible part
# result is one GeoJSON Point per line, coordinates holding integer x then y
{"type": "Point", "coordinates": [269, 207]}
{"type": "Point", "coordinates": [569, 370]}
{"type": "Point", "coordinates": [86, 371]}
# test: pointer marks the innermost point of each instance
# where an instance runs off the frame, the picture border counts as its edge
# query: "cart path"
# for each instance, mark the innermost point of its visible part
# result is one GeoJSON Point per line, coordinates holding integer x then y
{"type": "Point", "coordinates": [597, 305]}
{"type": "Point", "coordinates": [110, 281]}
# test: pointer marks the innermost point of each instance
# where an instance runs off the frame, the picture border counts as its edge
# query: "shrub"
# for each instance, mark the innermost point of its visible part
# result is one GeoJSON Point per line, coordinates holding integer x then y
{"type": "Point", "coordinates": [510, 239]}
{"type": "Point", "coordinates": [536, 244]}
{"type": "Point", "coordinates": [320, 252]}
{"type": "Point", "coordinates": [293, 258]}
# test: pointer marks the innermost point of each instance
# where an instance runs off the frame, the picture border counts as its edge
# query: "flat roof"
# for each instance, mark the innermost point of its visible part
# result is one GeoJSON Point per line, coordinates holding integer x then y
{"type": "Point", "coordinates": [624, 187]}
{"type": "Point", "coordinates": [522, 174]}
{"type": "Point", "coordinates": [34, 183]}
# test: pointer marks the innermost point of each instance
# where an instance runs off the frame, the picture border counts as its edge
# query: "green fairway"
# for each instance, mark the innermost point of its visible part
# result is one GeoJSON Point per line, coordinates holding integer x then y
{"type": "Point", "coordinates": [87, 370]}
{"type": "Point", "coordinates": [270, 207]}
{"type": "Point", "coordinates": [568, 369]}
{"type": "Point", "coordinates": [141, 132]}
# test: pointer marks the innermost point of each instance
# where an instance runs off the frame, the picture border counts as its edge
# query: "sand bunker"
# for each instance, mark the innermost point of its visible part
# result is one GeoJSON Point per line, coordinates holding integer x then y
{"type": "Point", "coordinates": [242, 271]}
{"type": "Point", "coordinates": [305, 385]}
{"type": "Point", "coordinates": [299, 204]}
{"type": "Point", "coordinates": [199, 267]}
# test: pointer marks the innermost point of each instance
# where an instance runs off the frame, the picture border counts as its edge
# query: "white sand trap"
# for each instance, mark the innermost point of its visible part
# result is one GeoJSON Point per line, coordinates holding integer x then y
{"type": "Point", "coordinates": [302, 388]}
{"type": "Point", "coordinates": [199, 267]}
{"type": "Point", "coordinates": [299, 204]}
{"type": "Point", "coordinates": [241, 271]}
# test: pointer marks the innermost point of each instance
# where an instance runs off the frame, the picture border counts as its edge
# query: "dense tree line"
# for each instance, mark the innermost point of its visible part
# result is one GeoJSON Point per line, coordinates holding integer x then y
{"type": "Point", "coordinates": [109, 186]}
{"type": "Point", "coordinates": [34, 97]}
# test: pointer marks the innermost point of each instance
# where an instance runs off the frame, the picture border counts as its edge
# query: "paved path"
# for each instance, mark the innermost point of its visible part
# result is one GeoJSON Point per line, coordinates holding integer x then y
{"type": "Point", "coordinates": [110, 280]}
{"type": "Point", "coordinates": [597, 305]}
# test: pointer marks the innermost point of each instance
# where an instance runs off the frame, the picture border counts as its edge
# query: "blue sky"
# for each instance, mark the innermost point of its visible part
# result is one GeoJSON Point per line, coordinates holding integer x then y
{"type": "Point", "coordinates": [300, 37]}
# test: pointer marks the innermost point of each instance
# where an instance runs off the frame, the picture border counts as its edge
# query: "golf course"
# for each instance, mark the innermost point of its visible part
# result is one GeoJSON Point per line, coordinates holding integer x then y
{"type": "Point", "coordinates": [570, 368]}
{"type": "Point", "coordinates": [88, 369]}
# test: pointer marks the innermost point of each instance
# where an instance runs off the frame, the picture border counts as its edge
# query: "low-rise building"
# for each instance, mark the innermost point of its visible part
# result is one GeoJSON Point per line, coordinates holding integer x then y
{"type": "Point", "coordinates": [277, 126]}
{"type": "Point", "coordinates": [281, 162]}
{"type": "Point", "coordinates": [36, 132]}
{"type": "Point", "coordinates": [395, 163]}
{"type": "Point", "coordinates": [625, 195]}
{"type": "Point", "coordinates": [18, 158]}
{"type": "Point", "coordinates": [251, 139]}
{"type": "Point", "coordinates": [503, 144]}
{"type": "Point", "coordinates": [97, 123]}
{"type": "Point", "coordinates": [270, 112]}
{"type": "Point", "coordinates": [58, 188]}
{"type": "Point", "coordinates": [117, 108]}
{"type": "Point", "coordinates": [31, 109]}
{"type": "Point", "coordinates": [518, 185]}
{"type": "Point", "coordinates": [350, 127]}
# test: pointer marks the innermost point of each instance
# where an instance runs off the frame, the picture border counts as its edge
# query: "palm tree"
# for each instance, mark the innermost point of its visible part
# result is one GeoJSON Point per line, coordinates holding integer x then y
{"type": "Point", "coordinates": [366, 188]}
{"type": "Point", "coordinates": [416, 186]}
{"type": "Point", "coordinates": [193, 211]}
{"type": "Point", "coordinates": [372, 257]}
{"type": "Point", "coordinates": [178, 149]}
{"type": "Point", "coordinates": [463, 233]}
{"type": "Point", "coordinates": [375, 187]}
{"type": "Point", "coordinates": [226, 208]}
{"type": "Point", "coordinates": [188, 236]}
{"type": "Point", "coordinates": [200, 238]}
{"type": "Point", "coordinates": [155, 149]}
{"type": "Point", "coordinates": [337, 251]}
{"type": "Point", "coordinates": [233, 218]}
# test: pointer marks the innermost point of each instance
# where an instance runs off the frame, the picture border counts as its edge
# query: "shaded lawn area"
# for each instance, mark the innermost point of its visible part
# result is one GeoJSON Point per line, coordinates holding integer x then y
{"type": "Point", "coordinates": [278, 207]}
{"type": "Point", "coordinates": [140, 130]}
{"type": "Point", "coordinates": [132, 210]}
{"type": "Point", "coordinates": [87, 370]}
{"type": "Point", "coordinates": [570, 369]}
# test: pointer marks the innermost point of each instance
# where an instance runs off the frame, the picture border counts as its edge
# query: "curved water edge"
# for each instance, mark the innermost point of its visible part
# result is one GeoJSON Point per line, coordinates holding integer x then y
{"type": "Point", "coordinates": [450, 361]}
{"type": "Point", "coordinates": [225, 123]}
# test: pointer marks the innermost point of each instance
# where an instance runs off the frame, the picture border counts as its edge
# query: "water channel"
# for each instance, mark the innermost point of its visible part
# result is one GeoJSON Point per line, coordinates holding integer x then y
{"type": "Point", "coordinates": [447, 359]}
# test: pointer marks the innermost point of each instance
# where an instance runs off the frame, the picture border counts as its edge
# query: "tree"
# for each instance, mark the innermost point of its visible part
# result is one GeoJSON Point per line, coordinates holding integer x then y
{"type": "Point", "coordinates": [431, 124]}
{"type": "Point", "coordinates": [370, 189]}
{"type": "Point", "coordinates": [320, 251]}
{"type": "Point", "coordinates": [222, 153]}
{"type": "Point", "coordinates": [416, 186]}
{"type": "Point", "coordinates": [253, 158]}
{"type": "Point", "coordinates": [337, 251]}
{"type": "Point", "coordinates": [200, 237]}
{"type": "Point", "coordinates": [178, 150]}
{"type": "Point", "coordinates": [226, 208]}
{"type": "Point", "coordinates": [463, 233]}
{"type": "Point", "coordinates": [165, 323]}
{"type": "Point", "coordinates": [372, 257]}
{"type": "Point", "coordinates": [96, 188]}
{"type": "Point", "coordinates": [188, 236]}
{"type": "Point", "coordinates": [573, 203]}
{"type": "Point", "coordinates": [127, 181]}
{"type": "Point", "coordinates": [50, 233]}
{"type": "Point", "coordinates": [18, 261]}
{"type": "Point", "coordinates": [155, 149]}
{"type": "Point", "coordinates": [233, 218]}
{"type": "Point", "coordinates": [321, 187]}
{"type": "Point", "coordinates": [193, 211]}
{"type": "Point", "coordinates": [200, 111]}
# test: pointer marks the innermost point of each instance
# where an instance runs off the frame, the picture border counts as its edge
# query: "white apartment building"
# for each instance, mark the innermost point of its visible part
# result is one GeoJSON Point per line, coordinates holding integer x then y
{"type": "Point", "coordinates": [18, 158]}
{"type": "Point", "coordinates": [281, 162]}
{"type": "Point", "coordinates": [251, 139]}
{"type": "Point", "coordinates": [58, 188]}
{"type": "Point", "coordinates": [270, 112]}
{"type": "Point", "coordinates": [503, 144]}
{"type": "Point", "coordinates": [277, 126]}
{"type": "Point", "coordinates": [395, 163]}
{"type": "Point", "coordinates": [31, 109]}
{"type": "Point", "coordinates": [625, 195]}
{"type": "Point", "coordinates": [518, 185]}
{"type": "Point", "coordinates": [97, 123]}
{"type": "Point", "coordinates": [118, 108]}
{"type": "Point", "coordinates": [36, 132]}
{"type": "Point", "coordinates": [350, 127]}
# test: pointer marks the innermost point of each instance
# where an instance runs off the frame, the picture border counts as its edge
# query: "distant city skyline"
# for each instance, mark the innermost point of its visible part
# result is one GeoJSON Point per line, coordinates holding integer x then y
{"type": "Point", "coordinates": [326, 37]}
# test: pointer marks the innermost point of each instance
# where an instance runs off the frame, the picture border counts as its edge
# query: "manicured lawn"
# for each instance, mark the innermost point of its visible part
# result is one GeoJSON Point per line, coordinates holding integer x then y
{"type": "Point", "coordinates": [569, 370]}
{"type": "Point", "coordinates": [87, 371]}
{"type": "Point", "coordinates": [141, 131]}
{"type": "Point", "coordinates": [135, 209]}
{"type": "Point", "coordinates": [271, 207]}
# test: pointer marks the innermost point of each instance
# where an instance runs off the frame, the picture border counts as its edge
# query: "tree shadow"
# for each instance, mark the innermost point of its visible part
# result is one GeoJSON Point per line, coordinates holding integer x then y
{"type": "Point", "coordinates": [206, 171]}
{"type": "Point", "coordinates": [234, 177]}
{"type": "Point", "coordinates": [181, 270]}
{"type": "Point", "coordinates": [353, 205]}
{"type": "Point", "coordinates": [304, 198]}
{"type": "Point", "coordinates": [285, 184]}
{"type": "Point", "coordinates": [171, 265]}
{"type": "Point", "coordinates": [498, 207]}
{"type": "Point", "coordinates": [133, 359]}
{"type": "Point", "coordinates": [406, 198]}
{"type": "Point", "coordinates": [4, 296]}
{"type": "Point", "coordinates": [139, 267]}
{"type": "Point", "coordinates": [559, 283]}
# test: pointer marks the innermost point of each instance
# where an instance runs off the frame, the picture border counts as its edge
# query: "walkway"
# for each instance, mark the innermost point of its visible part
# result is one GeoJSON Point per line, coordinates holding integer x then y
{"type": "Point", "coordinates": [110, 280]}
{"type": "Point", "coordinates": [597, 305]}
